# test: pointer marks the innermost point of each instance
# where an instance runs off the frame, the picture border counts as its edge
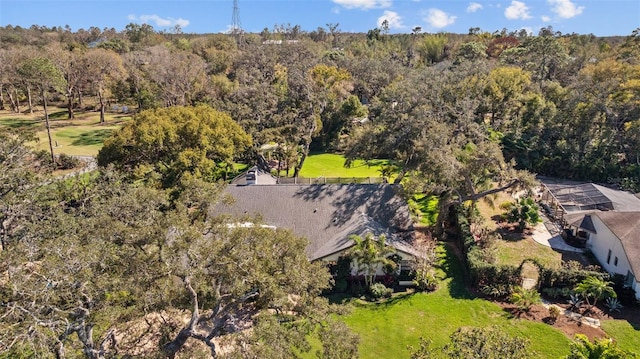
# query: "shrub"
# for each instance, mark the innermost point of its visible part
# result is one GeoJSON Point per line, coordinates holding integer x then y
{"type": "Point", "coordinates": [426, 281]}
{"type": "Point", "coordinates": [613, 304]}
{"type": "Point", "coordinates": [557, 292]}
{"type": "Point", "coordinates": [496, 290]}
{"type": "Point", "coordinates": [379, 290]}
{"type": "Point", "coordinates": [524, 212]}
{"type": "Point", "coordinates": [341, 271]}
{"type": "Point", "coordinates": [67, 162]}
{"type": "Point", "coordinates": [341, 285]}
{"type": "Point", "coordinates": [487, 342]}
{"type": "Point", "coordinates": [554, 314]}
{"type": "Point", "coordinates": [357, 289]}
{"type": "Point", "coordinates": [575, 302]}
{"type": "Point", "coordinates": [525, 298]}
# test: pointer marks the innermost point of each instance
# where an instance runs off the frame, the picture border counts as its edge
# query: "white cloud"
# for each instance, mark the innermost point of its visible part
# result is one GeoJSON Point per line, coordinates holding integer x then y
{"type": "Point", "coordinates": [545, 18]}
{"type": "Point", "coordinates": [517, 10]}
{"type": "Point", "coordinates": [473, 7]}
{"type": "Point", "coordinates": [439, 19]}
{"type": "Point", "coordinates": [364, 4]}
{"type": "Point", "coordinates": [159, 21]}
{"type": "Point", "coordinates": [395, 20]}
{"type": "Point", "coordinates": [565, 8]}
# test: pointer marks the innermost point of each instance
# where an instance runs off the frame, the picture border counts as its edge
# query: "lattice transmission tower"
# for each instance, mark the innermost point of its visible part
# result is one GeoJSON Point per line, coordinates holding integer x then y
{"type": "Point", "coordinates": [236, 26]}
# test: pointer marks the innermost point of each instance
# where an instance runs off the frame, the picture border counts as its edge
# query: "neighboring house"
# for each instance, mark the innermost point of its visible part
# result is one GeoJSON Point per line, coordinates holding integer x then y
{"type": "Point", "coordinates": [614, 239]}
{"type": "Point", "coordinates": [325, 214]}
{"type": "Point", "coordinates": [604, 220]}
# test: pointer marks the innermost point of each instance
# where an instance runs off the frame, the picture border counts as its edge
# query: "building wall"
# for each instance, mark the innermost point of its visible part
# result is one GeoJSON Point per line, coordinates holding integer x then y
{"type": "Point", "coordinates": [354, 267]}
{"type": "Point", "coordinates": [604, 241]}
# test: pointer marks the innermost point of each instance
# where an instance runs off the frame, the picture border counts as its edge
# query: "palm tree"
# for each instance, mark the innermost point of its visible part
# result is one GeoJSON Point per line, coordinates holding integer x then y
{"type": "Point", "coordinates": [525, 298]}
{"type": "Point", "coordinates": [595, 288]}
{"type": "Point", "coordinates": [370, 253]}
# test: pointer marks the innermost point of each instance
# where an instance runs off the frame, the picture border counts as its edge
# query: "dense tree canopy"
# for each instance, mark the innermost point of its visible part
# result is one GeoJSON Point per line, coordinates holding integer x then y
{"type": "Point", "coordinates": [108, 254]}
{"type": "Point", "coordinates": [177, 141]}
{"type": "Point", "coordinates": [558, 104]}
{"type": "Point", "coordinates": [460, 116]}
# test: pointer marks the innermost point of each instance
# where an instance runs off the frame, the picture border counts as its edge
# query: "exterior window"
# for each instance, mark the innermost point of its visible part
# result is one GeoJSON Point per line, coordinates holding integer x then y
{"type": "Point", "coordinates": [615, 262]}
{"type": "Point", "coordinates": [609, 257]}
{"type": "Point", "coordinates": [628, 282]}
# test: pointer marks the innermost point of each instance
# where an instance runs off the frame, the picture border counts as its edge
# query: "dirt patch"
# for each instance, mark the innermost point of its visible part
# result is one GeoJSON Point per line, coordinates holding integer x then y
{"type": "Point", "coordinates": [570, 327]}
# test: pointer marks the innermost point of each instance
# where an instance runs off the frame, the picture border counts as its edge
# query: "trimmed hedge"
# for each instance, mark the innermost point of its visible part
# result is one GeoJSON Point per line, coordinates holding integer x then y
{"type": "Point", "coordinates": [483, 274]}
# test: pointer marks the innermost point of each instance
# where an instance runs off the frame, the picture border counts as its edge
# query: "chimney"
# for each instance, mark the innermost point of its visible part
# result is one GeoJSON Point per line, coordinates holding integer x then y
{"type": "Point", "coordinates": [251, 177]}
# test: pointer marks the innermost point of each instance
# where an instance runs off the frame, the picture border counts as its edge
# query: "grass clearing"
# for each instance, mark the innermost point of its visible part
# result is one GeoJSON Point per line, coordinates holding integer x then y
{"type": "Point", "coordinates": [513, 252]}
{"type": "Point", "coordinates": [82, 136]}
{"type": "Point", "coordinates": [489, 208]}
{"type": "Point", "coordinates": [75, 140]}
{"type": "Point", "coordinates": [386, 329]}
{"type": "Point", "coordinates": [332, 165]}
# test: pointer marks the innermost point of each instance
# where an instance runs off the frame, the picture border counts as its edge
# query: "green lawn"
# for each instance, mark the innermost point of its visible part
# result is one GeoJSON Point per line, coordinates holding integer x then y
{"type": "Point", "coordinates": [386, 329]}
{"type": "Point", "coordinates": [626, 335]}
{"type": "Point", "coordinates": [332, 165]}
{"type": "Point", "coordinates": [425, 207]}
{"type": "Point", "coordinates": [81, 136]}
{"type": "Point", "coordinates": [76, 140]}
{"type": "Point", "coordinates": [513, 252]}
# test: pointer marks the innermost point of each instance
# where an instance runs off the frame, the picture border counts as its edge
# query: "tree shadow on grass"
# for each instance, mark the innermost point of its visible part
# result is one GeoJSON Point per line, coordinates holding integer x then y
{"type": "Point", "coordinates": [94, 137]}
{"type": "Point", "coordinates": [17, 123]}
{"type": "Point", "coordinates": [382, 304]}
{"type": "Point", "coordinates": [58, 115]}
{"type": "Point", "coordinates": [451, 264]}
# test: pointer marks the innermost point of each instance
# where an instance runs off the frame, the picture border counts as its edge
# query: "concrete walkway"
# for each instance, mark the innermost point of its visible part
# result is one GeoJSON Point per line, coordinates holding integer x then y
{"type": "Point", "coordinates": [542, 234]}
{"type": "Point", "coordinates": [593, 322]}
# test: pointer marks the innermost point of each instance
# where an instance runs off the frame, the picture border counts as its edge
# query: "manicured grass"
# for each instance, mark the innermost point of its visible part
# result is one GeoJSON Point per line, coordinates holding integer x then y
{"type": "Point", "coordinates": [425, 207]}
{"type": "Point", "coordinates": [513, 252]}
{"type": "Point", "coordinates": [626, 335]}
{"type": "Point", "coordinates": [18, 123]}
{"type": "Point", "coordinates": [386, 329]}
{"type": "Point", "coordinates": [514, 249]}
{"type": "Point", "coordinates": [76, 140]}
{"type": "Point", "coordinates": [332, 165]}
{"type": "Point", "coordinates": [82, 136]}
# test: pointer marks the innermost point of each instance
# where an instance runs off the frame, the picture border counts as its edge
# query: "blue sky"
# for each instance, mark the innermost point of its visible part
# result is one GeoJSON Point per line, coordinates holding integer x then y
{"type": "Point", "coordinates": [599, 17]}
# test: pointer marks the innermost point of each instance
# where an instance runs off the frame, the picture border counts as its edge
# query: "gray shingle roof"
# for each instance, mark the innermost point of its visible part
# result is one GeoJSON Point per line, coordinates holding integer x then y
{"type": "Point", "coordinates": [327, 214]}
{"type": "Point", "coordinates": [584, 222]}
{"type": "Point", "coordinates": [626, 226]}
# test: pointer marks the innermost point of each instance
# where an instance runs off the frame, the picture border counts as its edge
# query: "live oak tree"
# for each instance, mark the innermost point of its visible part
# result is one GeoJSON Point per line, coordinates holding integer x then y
{"type": "Point", "coordinates": [178, 75]}
{"type": "Point", "coordinates": [80, 260]}
{"type": "Point", "coordinates": [176, 142]}
{"type": "Point", "coordinates": [20, 171]}
{"type": "Point", "coordinates": [236, 275]}
{"type": "Point", "coordinates": [427, 126]}
{"type": "Point", "coordinates": [45, 76]}
{"type": "Point", "coordinates": [108, 253]}
{"type": "Point", "coordinates": [103, 67]}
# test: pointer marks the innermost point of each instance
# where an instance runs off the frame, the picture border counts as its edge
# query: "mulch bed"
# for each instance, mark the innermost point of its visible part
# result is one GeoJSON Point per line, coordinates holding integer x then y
{"type": "Point", "coordinates": [571, 327]}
